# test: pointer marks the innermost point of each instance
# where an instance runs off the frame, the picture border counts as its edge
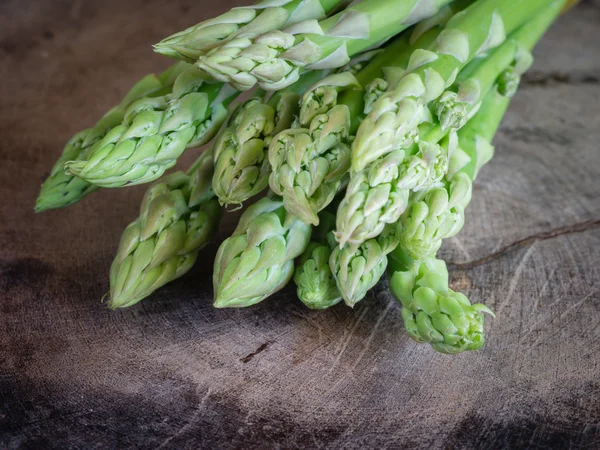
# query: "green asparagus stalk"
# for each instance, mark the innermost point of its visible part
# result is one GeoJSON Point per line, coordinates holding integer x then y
{"type": "Point", "coordinates": [379, 193]}
{"type": "Point", "coordinates": [473, 32]}
{"type": "Point", "coordinates": [309, 165]}
{"type": "Point", "coordinates": [316, 285]}
{"type": "Point", "coordinates": [59, 189]}
{"type": "Point", "coordinates": [242, 165]}
{"type": "Point", "coordinates": [433, 313]}
{"type": "Point", "coordinates": [275, 59]}
{"type": "Point", "coordinates": [178, 217]}
{"type": "Point", "coordinates": [357, 268]}
{"type": "Point", "coordinates": [438, 213]}
{"type": "Point", "coordinates": [246, 21]}
{"type": "Point", "coordinates": [258, 259]}
{"type": "Point", "coordinates": [155, 131]}
{"type": "Point", "coordinates": [310, 161]}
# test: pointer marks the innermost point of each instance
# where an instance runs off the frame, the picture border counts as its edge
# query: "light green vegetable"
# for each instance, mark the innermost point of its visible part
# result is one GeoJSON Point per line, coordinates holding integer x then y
{"type": "Point", "coordinates": [242, 165]}
{"type": "Point", "coordinates": [60, 189]}
{"type": "Point", "coordinates": [177, 218]}
{"type": "Point", "coordinates": [357, 268]}
{"type": "Point", "coordinates": [430, 71]}
{"type": "Point", "coordinates": [258, 259]}
{"type": "Point", "coordinates": [316, 285]}
{"type": "Point", "coordinates": [379, 193]}
{"type": "Point", "coordinates": [245, 21]}
{"type": "Point", "coordinates": [275, 59]}
{"type": "Point", "coordinates": [155, 131]}
{"type": "Point", "coordinates": [432, 312]}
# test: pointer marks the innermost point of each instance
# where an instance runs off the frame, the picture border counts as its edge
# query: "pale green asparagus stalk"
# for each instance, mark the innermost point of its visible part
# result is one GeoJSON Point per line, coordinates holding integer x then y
{"type": "Point", "coordinates": [242, 165]}
{"type": "Point", "coordinates": [243, 22]}
{"type": "Point", "coordinates": [438, 213]}
{"type": "Point", "coordinates": [258, 259]}
{"type": "Point", "coordinates": [310, 161]}
{"type": "Point", "coordinates": [379, 193]}
{"type": "Point", "coordinates": [430, 71]}
{"type": "Point", "coordinates": [357, 268]}
{"type": "Point", "coordinates": [275, 59]}
{"type": "Point", "coordinates": [309, 165]}
{"type": "Point", "coordinates": [316, 285]}
{"type": "Point", "coordinates": [178, 217]}
{"type": "Point", "coordinates": [61, 190]}
{"type": "Point", "coordinates": [155, 131]}
{"type": "Point", "coordinates": [432, 312]}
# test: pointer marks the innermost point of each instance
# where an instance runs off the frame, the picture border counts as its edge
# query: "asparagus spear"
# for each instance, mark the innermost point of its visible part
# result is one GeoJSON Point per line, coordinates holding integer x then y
{"type": "Point", "coordinates": [438, 213]}
{"type": "Point", "coordinates": [155, 131]}
{"type": "Point", "coordinates": [275, 59]}
{"type": "Point", "coordinates": [245, 21]}
{"type": "Point", "coordinates": [479, 28]}
{"type": "Point", "coordinates": [379, 193]}
{"type": "Point", "coordinates": [326, 273]}
{"type": "Point", "coordinates": [59, 189]}
{"type": "Point", "coordinates": [357, 268]}
{"type": "Point", "coordinates": [309, 164]}
{"type": "Point", "coordinates": [316, 285]}
{"type": "Point", "coordinates": [258, 259]}
{"type": "Point", "coordinates": [310, 161]}
{"type": "Point", "coordinates": [177, 218]}
{"type": "Point", "coordinates": [433, 313]}
{"type": "Point", "coordinates": [241, 151]}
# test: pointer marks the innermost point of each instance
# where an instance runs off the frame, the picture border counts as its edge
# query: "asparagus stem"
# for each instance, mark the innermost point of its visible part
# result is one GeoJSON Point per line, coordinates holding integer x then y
{"type": "Point", "coordinates": [177, 219]}
{"type": "Point", "coordinates": [316, 284]}
{"type": "Point", "coordinates": [60, 189]}
{"type": "Point", "coordinates": [479, 28]}
{"type": "Point", "coordinates": [275, 59]}
{"type": "Point", "coordinates": [358, 268]}
{"type": "Point", "coordinates": [241, 151]}
{"type": "Point", "coordinates": [258, 259]}
{"type": "Point", "coordinates": [433, 313]}
{"type": "Point", "coordinates": [247, 21]}
{"type": "Point", "coordinates": [155, 131]}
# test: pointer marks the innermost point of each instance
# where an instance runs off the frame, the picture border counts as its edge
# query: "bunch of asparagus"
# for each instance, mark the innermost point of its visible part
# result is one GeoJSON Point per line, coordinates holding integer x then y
{"type": "Point", "coordinates": [370, 121]}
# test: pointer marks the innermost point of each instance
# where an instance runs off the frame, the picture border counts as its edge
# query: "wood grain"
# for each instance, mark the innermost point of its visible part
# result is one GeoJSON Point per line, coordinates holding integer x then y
{"type": "Point", "coordinates": [173, 372]}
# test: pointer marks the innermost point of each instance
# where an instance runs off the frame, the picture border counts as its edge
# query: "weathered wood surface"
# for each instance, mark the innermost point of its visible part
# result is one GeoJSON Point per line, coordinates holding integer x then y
{"type": "Point", "coordinates": [175, 373]}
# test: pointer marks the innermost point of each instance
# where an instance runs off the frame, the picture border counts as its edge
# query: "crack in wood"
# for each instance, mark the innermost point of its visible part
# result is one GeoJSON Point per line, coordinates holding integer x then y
{"type": "Point", "coordinates": [569, 229]}
{"type": "Point", "coordinates": [552, 78]}
{"type": "Point", "coordinates": [246, 359]}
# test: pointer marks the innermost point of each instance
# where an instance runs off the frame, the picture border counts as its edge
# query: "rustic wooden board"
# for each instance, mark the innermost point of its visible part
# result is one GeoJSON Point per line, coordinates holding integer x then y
{"type": "Point", "coordinates": [175, 373]}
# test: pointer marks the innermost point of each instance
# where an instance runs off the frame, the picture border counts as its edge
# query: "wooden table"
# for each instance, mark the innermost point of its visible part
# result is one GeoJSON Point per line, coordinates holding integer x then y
{"type": "Point", "coordinates": [173, 372]}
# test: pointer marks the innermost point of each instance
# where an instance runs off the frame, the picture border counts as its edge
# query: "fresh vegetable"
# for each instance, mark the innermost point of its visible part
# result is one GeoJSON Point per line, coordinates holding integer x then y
{"type": "Point", "coordinates": [316, 285]}
{"type": "Point", "coordinates": [155, 131]}
{"type": "Point", "coordinates": [276, 58]}
{"type": "Point", "coordinates": [370, 123]}
{"type": "Point", "coordinates": [60, 189]}
{"type": "Point", "coordinates": [245, 21]}
{"type": "Point", "coordinates": [258, 259]}
{"type": "Point", "coordinates": [178, 217]}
